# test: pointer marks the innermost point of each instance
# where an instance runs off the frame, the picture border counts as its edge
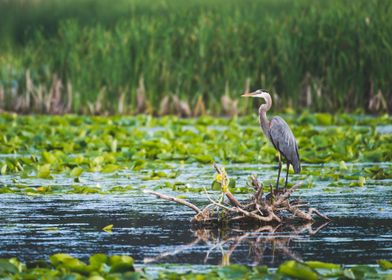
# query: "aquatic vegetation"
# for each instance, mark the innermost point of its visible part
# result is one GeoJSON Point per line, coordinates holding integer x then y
{"type": "Point", "coordinates": [101, 266]}
{"type": "Point", "coordinates": [46, 147]}
{"type": "Point", "coordinates": [65, 266]}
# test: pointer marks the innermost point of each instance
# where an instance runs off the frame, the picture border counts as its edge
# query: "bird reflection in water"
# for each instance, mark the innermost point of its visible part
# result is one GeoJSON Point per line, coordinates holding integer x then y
{"type": "Point", "coordinates": [263, 243]}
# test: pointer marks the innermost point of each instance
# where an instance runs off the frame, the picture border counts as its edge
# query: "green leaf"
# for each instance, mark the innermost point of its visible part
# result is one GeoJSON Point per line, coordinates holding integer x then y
{"type": "Point", "coordinates": [232, 183]}
{"type": "Point", "coordinates": [121, 264]}
{"type": "Point", "coordinates": [44, 171]}
{"type": "Point", "coordinates": [342, 165]}
{"type": "Point", "coordinates": [324, 265]}
{"type": "Point", "coordinates": [216, 186]}
{"type": "Point", "coordinates": [323, 119]}
{"type": "Point", "coordinates": [113, 146]}
{"type": "Point", "coordinates": [96, 277]}
{"type": "Point", "coordinates": [204, 158]}
{"type": "Point", "coordinates": [297, 270]}
{"type": "Point", "coordinates": [384, 264]}
{"type": "Point", "coordinates": [234, 271]}
{"type": "Point", "coordinates": [3, 170]}
{"type": "Point", "coordinates": [76, 172]}
{"type": "Point", "coordinates": [98, 259]}
{"type": "Point", "coordinates": [359, 183]}
{"type": "Point", "coordinates": [111, 168]}
{"type": "Point", "coordinates": [108, 228]}
{"type": "Point", "coordinates": [373, 155]}
{"type": "Point", "coordinates": [6, 266]}
{"type": "Point", "coordinates": [57, 259]}
{"type": "Point", "coordinates": [364, 272]}
{"type": "Point", "coordinates": [349, 274]}
{"type": "Point", "coordinates": [48, 157]}
{"type": "Point", "coordinates": [69, 262]}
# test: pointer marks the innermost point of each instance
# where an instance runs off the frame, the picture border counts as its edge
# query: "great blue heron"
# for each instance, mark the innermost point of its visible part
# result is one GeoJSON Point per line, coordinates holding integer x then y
{"type": "Point", "coordinates": [279, 134]}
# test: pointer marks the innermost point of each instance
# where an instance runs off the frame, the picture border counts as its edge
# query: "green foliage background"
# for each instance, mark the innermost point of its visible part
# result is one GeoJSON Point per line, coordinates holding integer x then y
{"type": "Point", "coordinates": [338, 51]}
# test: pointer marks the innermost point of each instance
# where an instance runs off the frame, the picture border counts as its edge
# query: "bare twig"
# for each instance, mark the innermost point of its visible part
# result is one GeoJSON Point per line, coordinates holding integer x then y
{"type": "Point", "coordinates": [178, 200]}
{"type": "Point", "coordinates": [286, 194]}
{"type": "Point", "coordinates": [314, 210]}
{"type": "Point", "coordinates": [258, 187]}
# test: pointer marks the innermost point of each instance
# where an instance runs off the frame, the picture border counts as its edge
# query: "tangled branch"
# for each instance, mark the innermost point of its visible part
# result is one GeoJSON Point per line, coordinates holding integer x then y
{"type": "Point", "coordinates": [261, 208]}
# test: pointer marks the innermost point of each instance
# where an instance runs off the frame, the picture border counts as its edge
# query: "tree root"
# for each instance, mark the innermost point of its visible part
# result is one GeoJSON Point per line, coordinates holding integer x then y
{"type": "Point", "coordinates": [274, 207]}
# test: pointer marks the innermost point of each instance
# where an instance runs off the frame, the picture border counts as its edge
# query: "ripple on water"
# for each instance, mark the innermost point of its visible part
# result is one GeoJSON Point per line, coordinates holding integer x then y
{"type": "Point", "coordinates": [159, 231]}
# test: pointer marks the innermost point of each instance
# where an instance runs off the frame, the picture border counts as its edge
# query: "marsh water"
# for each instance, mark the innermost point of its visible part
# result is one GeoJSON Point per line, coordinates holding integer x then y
{"type": "Point", "coordinates": [154, 231]}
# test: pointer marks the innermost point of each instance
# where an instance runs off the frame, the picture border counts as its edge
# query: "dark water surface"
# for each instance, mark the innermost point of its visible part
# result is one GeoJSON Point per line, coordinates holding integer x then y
{"type": "Point", "coordinates": [155, 231]}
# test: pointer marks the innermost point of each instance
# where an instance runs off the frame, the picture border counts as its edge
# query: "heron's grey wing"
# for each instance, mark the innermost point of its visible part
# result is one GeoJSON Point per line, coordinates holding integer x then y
{"type": "Point", "coordinates": [284, 141]}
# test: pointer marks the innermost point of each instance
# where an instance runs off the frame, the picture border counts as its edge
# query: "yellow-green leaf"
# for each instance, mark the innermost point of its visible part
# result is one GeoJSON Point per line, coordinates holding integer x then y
{"type": "Point", "coordinates": [108, 228]}
{"type": "Point", "coordinates": [76, 172]}
{"type": "Point", "coordinates": [297, 270]}
{"type": "Point", "coordinates": [384, 264]}
{"type": "Point", "coordinates": [44, 171]}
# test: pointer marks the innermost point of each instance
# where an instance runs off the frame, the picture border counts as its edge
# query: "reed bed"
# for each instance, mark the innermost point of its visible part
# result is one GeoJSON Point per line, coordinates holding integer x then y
{"type": "Point", "coordinates": [194, 57]}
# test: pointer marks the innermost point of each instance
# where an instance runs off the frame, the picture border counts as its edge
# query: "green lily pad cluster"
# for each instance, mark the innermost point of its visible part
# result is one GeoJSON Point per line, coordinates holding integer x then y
{"type": "Point", "coordinates": [73, 189]}
{"type": "Point", "coordinates": [43, 146]}
{"type": "Point", "coordinates": [311, 270]}
{"type": "Point", "coordinates": [101, 266]}
{"type": "Point", "coordinates": [75, 144]}
{"type": "Point", "coordinates": [64, 266]}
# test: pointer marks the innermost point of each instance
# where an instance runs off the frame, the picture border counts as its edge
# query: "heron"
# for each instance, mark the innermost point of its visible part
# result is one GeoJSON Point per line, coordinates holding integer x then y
{"type": "Point", "coordinates": [279, 134]}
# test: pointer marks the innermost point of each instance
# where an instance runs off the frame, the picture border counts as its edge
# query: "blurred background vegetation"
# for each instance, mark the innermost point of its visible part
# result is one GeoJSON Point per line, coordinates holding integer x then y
{"type": "Point", "coordinates": [194, 57]}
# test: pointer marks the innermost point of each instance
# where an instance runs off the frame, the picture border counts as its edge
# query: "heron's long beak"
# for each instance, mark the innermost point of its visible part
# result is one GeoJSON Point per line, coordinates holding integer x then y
{"type": "Point", "coordinates": [248, 94]}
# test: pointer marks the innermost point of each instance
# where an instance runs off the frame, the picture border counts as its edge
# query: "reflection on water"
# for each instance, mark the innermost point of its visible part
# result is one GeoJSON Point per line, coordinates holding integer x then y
{"type": "Point", "coordinates": [262, 243]}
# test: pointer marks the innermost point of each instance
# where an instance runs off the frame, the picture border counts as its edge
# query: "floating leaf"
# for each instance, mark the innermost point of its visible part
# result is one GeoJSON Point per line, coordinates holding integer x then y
{"type": "Point", "coordinates": [297, 270]}
{"type": "Point", "coordinates": [113, 146]}
{"type": "Point", "coordinates": [342, 165]}
{"type": "Point", "coordinates": [349, 274]}
{"type": "Point", "coordinates": [316, 264]}
{"type": "Point", "coordinates": [3, 170]}
{"type": "Point", "coordinates": [323, 119]}
{"type": "Point", "coordinates": [111, 168]}
{"type": "Point", "coordinates": [49, 157]}
{"type": "Point", "coordinates": [384, 264]}
{"type": "Point", "coordinates": [108, 228]}
{"type": "Point", "coordinates": [76, 172]}
{"type": "Point", "coordinates": [359, 183]}
{"type": "Point", "coordinates": [69, 262]}
{"type": "Point", "coordinates": [121, 264]}
{"type": "Point", "coordinates": [44, 171]}
{"type": "Point", "coordinates": [364, 272]}
{"type": "Point", "coordinates": [98, 259]}
{"type": "Point", "coordinates": [204, 158]}
{"type": "Point", "coordinates": [6, 266]}
{"type": "Point", "coordinates": [233, 271]}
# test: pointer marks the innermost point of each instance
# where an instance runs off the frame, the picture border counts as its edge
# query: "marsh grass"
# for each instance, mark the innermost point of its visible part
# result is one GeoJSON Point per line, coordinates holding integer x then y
{"type": "Point", "coordinates": [324, 55]}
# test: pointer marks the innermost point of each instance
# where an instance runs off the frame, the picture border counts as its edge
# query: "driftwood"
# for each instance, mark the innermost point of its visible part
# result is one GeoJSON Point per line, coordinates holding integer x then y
{"type": "Point", "coordinates": [274, 207]}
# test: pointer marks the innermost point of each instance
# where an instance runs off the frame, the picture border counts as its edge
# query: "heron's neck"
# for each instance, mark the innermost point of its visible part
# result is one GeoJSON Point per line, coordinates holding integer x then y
{"type": "Point", "coordinates": [264, 122]}
{"type": "Point", "coordinates": [263, 109]}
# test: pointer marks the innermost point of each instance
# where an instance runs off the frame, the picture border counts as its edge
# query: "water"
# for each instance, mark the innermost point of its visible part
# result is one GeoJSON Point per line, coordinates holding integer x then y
{"type": "Point", "coordinates": [157, 231]}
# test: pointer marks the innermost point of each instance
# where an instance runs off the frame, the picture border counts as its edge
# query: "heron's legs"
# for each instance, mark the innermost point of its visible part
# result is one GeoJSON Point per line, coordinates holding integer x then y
{"type": "Point", "coordinates": [287, 174]}
{"type": "Point", "coordinates": [279, 168]}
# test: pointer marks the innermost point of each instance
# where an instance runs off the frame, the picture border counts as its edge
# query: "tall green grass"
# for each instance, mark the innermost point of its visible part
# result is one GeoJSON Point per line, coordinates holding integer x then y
{"type": "Point", "coordinates": [325, 55]}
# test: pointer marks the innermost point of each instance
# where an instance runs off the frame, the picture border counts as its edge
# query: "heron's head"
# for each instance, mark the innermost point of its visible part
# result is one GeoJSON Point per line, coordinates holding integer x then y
{"type": "Point", "coordinates": [258, 93]}
{"type": "Point", "coordinates": [261, 94]}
